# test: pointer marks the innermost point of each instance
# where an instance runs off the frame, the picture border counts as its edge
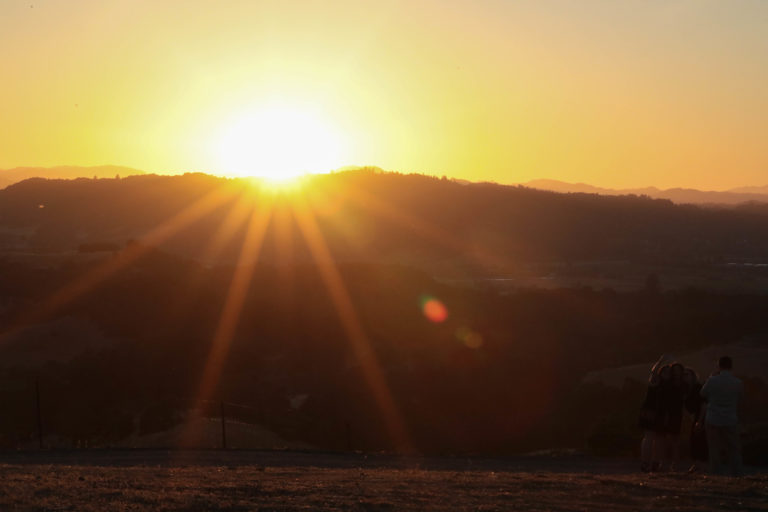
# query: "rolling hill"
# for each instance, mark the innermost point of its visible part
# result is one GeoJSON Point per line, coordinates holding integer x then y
{"type": "Point", "coordinates": [438, 225]}
{"type": "Point", "coordinates": [17, 174]}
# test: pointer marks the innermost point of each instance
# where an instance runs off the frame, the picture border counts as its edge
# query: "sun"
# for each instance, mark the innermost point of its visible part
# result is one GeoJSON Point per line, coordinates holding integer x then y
{"type": "Point", "coordinates": [277, 142]}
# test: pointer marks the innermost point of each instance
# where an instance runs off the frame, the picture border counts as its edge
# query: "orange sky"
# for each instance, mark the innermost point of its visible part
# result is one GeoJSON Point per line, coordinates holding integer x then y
{"type": "Point", "coordinates": [619, 94]}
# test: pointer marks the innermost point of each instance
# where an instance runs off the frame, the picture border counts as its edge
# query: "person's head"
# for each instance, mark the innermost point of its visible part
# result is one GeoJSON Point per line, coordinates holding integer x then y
{"type": "Point", "coordinates": [676, 371]}
{"type": "Point", "coordinates": [665, 372]}
{"type": "Point", "coordinates": [725, 363]}
{"type": "Point", "coordinates": [690, 377]}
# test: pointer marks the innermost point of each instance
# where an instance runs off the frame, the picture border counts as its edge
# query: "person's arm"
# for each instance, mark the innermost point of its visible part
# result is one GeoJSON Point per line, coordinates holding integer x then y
{"type": "Point", "coordinates": [657, 365]}
{"type": "Point", "coordinates": [740, 408]}
{"type": "Point", "coordinates": [653, 378]}
{"type": "Point", "coordinates": [705, 390]}
{"type": "Point", "coordinates": [699, 420]}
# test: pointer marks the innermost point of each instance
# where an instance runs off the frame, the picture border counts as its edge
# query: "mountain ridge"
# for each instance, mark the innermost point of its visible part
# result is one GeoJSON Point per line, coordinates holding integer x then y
{"type": "Point", "coordinates": [410, 219]}
{"type": "Point", "coordinates": [678, 195]}
{"type": "Point", "coordinates": [16, 174]}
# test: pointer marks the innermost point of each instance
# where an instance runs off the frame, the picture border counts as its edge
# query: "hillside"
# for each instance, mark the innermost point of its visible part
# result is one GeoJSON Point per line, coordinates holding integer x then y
{"type": "Point", "coordinates": [445, 227]}
{"type": "Point", "coordinates": [64, 172]}
{"type": "Point", "coordinates": [116, 295]}
{"type": "Point", "coordinates": [124, 357]}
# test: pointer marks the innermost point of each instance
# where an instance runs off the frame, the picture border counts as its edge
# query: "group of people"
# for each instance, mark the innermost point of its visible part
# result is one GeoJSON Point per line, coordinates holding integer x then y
{"type": "Point", "coordinates": [673, 391]}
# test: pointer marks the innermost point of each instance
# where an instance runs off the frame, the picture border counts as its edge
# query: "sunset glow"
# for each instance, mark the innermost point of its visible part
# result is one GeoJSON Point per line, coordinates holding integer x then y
{"type": "Point", "coordinates": [277, 142]}
{"type": "Point", "coordinates": [617, 94]}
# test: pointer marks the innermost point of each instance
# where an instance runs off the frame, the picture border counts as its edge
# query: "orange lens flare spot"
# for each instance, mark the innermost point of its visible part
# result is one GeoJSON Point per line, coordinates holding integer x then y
{"type": "Point", "coordinates": [469, 338]}
{"type": "Point", "coordinates": [434, 310]}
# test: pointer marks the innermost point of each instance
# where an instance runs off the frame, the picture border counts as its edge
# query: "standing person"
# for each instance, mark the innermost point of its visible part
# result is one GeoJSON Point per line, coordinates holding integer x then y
{"type": "Point", "coordinates": [672, 398]}
{"type": "Point", "coordinates": [722, 392]}
{"type": "Point", "coordinates": [651, 418]}
{"type": "Point", "coordinates": [696, 406]}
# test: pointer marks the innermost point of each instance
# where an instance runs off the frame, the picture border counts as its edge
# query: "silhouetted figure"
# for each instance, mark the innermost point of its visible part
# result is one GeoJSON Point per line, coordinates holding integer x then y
{"type": "Point", "coordinates": [696, 406]}
{"type": "Point", "coordinates": [672, 398]}
{"type": "Point", "coordinates": [652, 419]}
{"type": "Point", "coordinates": [723, 391]}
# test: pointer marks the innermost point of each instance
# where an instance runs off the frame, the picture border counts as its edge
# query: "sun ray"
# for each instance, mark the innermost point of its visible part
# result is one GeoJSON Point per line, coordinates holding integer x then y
{"type": "Point", "coordinates": [359, 342]}
{"type": "Point", "coordinates": [90, 280]}
{"type": "Point", "coordinates": [234, 220]}
{"type": "Point", "coordinates": [236, 295]}
{"type": "Point", "coordinates": [284, 251]}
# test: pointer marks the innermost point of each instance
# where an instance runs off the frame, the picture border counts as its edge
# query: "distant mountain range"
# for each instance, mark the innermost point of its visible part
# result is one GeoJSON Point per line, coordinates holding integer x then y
{"type": "Point", "coordinates": [734, 196]}
{"type": "Point", "coordinates": [64, 172]}
{"type": "Point", "coordinates": [676, 195]}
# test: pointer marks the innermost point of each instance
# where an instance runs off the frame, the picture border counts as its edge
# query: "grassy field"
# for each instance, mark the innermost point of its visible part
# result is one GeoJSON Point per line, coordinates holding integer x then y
{"type": "Point", "coordinates": [320, 482]}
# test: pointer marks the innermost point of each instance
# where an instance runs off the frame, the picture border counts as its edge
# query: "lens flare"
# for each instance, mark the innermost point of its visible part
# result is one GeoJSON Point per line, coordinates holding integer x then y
{"type": "Point", "coordinates": [469, 337]}
{"type": "Point", "coordinates": [434, 310]}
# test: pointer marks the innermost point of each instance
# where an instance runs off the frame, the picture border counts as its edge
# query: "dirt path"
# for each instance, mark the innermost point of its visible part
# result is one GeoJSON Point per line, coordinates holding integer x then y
{"type": "Point", "coordinates": [340, 460]}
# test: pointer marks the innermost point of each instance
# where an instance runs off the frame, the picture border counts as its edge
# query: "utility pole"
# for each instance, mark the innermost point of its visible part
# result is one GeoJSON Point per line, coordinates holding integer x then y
{"type": "Point", "coordinates": [39, 414]}
{"type": "Point", "coordinates": [348, 431]}
{"type": "Point", "coordinates": [223, 428]}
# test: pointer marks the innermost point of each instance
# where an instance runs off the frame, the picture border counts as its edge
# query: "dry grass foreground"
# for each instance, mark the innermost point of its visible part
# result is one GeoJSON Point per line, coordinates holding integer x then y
{"type": "Point", "coordinates": [52, 487]}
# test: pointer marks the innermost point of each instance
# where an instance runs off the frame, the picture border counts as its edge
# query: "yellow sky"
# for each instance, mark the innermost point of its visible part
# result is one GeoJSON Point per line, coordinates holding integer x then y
{"type": "Point", "coordinates": [619, 94]}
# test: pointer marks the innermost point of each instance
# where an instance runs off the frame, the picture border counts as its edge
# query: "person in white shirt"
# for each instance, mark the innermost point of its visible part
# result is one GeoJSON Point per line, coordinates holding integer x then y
{"type": "Point", "coordinates": [722, 392]}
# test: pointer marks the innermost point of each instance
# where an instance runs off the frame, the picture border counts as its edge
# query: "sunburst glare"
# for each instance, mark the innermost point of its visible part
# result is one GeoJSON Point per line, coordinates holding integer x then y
{"type": "Point", "coordinates": [277, 142]}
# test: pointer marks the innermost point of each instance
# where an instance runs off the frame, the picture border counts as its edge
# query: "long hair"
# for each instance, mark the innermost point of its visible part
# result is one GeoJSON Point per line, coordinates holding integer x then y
{"type": "Point", "coordinates": [694, 381]}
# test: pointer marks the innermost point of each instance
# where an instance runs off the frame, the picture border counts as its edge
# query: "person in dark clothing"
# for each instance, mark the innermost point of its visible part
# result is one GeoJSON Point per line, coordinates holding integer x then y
{"type": "Point", "coordinates": [651, 418]}
{"type": "Point", "coordinates": [672, 394]}
{"type": "Point", "coordinates": [696, 406]}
